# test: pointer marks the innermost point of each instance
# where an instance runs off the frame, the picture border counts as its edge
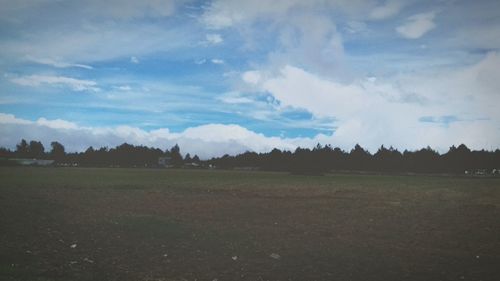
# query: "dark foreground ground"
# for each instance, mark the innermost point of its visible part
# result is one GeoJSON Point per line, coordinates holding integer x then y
{"type": "Point", "coordinates": [121, 224]}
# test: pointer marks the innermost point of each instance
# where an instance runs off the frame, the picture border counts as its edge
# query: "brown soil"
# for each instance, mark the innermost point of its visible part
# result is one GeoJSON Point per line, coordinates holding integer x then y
{"type": "Point", "coordinates": [277, 232]}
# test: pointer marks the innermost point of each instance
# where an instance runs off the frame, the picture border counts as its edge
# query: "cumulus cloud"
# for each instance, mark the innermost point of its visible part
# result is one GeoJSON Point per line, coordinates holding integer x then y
{"type": "Point", "coordinates": [377, 111]}
{"type": "Point", "coordinates": [298, 88]}
{"type": "Point", "coordinates": [417, 25]}
{"type": "Point", "coordinates": [72, 83]}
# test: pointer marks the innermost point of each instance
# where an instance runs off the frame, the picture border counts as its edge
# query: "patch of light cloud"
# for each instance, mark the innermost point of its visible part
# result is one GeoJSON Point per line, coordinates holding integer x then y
{"type": "Point", "coordinates": [40, 80]}
{"type": "Point", "coordinates": [200, 61]}
{"type": "Point", "coordinates": [220, 14]}
{"type": "Point", "coordinates": [417, 25]}
{"type": "Point", "coordinates": [354, 27]}
{"type": "Point", "coordinates": [217, 61]}
{"type": "Point", "coordinates": [213, 38]}
{"type": "Point", "coordinates": [251, 77]}
{"type": "Point", "coordinates": [98, 41]}
{"type": "Point", "coordinates": [56, 124]}
{"type": "Point", "coordinates": [124, 88]}
{"type": "Point", "coordinates": [58, 64]}
{"type": "Point", "coordinates": [130, 9]}
{"type": "Point", "coordinates": [134, 60]}
{"type": "Point", "coordinates": [386, 10]}
{"type": "Point", "coordinates": [235, 98]}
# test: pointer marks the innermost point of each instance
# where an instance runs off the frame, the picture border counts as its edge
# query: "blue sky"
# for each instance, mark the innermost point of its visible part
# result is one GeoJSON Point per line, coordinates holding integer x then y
{"type": "Point", "coordinates": [229, 76]}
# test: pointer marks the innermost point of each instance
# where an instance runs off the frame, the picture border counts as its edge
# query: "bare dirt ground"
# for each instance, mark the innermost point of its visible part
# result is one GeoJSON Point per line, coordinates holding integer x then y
{"type": "Point", "coordinates": [131, 224]}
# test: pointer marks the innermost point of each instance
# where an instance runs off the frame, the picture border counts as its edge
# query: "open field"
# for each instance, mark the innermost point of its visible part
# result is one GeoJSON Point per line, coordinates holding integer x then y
{"type": "Point", "coordinates": [133, 224]}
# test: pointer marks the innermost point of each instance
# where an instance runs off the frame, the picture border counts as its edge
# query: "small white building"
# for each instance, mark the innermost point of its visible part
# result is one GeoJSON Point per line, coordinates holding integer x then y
{"type": "Point", "coordinates": [165, 161]}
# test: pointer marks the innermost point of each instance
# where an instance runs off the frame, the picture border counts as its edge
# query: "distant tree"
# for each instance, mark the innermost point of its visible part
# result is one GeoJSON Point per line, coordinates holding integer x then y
{"type": "Point", "coordinates": [5, 153]}
{"type": "Point", "coordinates": [187, 158]}
{"type": "Point", "coordinates": [458, 159]}
{"type": "Point", "coordinates": [305, 161]}
{"type": "Point", "coordinates": [389, 160]}
{"type": "Point", "coordinates": [176, 157]}
{"type": "Point", "coordinates": [57, 152]}
{"type": "Point", "coordinates": [359, 158]}
{"type": "Point", "coordinates": [36, 149]}
{"type": "Point", "coordinates": [423, 160]}
{"type": "Point", "coordinates": [22, 149]}
{"type": "Point", "coordinates": [196, 159]}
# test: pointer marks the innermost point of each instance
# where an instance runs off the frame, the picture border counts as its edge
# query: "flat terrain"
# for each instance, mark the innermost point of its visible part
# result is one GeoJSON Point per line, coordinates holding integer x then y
{"type": "Point", "coordinates": [134, 224]}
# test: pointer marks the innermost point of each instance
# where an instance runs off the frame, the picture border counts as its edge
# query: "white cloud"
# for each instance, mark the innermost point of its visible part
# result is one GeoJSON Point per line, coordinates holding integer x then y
{"type": "Point", "coordinates": [56, 124]}
{"type": "Point", "coordinates": [96, 41]}
{"type": "Point", "coordinates": [221, 14]}
{"type": "Point", "coordinates": [355, 27]}
{"type": "Point", "coordinates": [217, 61]}
{"type": "Point", "coordinates": [226, 13]}
{"type": "Point", "coordinates": [74, 84]}
{"type": "Point", "coordinates": [235, 98]}
{"type": "Point", "coordinates": [125, 88]}
{"type": "Point", "coordinates": [300, 89]}
{"type": "Point", "coordinates": [214, 38]}
{"type": "Point", "coordinates": [130, 9]}
{"type": "Point", "coordinates": [113, 9]}
{"type": "Point", "coordinates": [417, 25]}
{"type": "Point", "coordinates": [11, 119]}
{"type": "Point", "coordinates": [252, 77]}
{"type": "Point", "coordinates": [388, 111]}
{"type": "Point", "coordinates": [58, 64]}
{"type": "Point", "coordinates": [304, 34]}
{"type": "Point", "coordinates": [134, 60]}
{"type": "Point", "coordinates": [388, 9]}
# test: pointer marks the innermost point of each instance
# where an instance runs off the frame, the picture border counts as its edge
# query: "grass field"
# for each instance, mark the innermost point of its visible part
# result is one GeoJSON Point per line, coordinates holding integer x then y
{"type": "Point", "coordinates": [134, 224]}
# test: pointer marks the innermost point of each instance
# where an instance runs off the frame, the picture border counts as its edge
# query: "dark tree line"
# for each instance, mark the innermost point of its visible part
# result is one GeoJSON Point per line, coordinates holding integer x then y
{"type": "Point", "coordinates": [124, 155]}
{"type": "Point", "coordinates": [322, 159]}
{"type": "Point", "coordinates": [318, 160]}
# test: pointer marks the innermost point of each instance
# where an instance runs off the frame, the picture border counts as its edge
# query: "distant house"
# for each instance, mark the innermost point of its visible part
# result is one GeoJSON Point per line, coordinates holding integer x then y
{"type": "Point", "coordinates": [165, 161]}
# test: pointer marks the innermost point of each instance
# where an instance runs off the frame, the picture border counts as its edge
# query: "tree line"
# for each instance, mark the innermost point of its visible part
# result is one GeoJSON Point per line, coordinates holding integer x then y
{"type": "Point", "coordinates": [325, 158]}
{"type": "Point", "coordinates": [124, 155]}
{"type": "Point", "coordinates": [318, 160]}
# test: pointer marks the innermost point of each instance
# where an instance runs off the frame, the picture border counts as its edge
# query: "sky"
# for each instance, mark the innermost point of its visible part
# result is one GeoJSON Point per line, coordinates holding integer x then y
{"type": "Point", "coordinates": [229, 76]}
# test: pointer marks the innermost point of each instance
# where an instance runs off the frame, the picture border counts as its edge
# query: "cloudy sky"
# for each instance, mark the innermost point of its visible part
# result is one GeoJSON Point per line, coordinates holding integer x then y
{"type": "Point", "coordinates": [226, 76]}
